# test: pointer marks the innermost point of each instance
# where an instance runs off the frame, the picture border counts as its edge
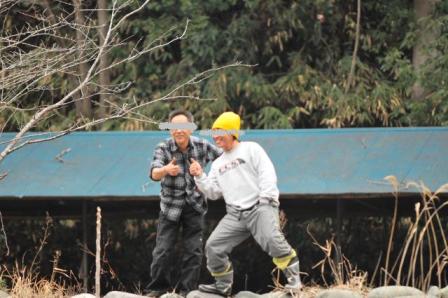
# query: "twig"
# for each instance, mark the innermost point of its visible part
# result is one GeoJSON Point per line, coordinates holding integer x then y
{"type": "Point", "coordinates": [56, 257]}
{"type": "Point", "coordinates": [4, 234]}
{"type": "Point", "coordinates": [395, 184]}
{"type": "Point", "coordinates": [3, 175]}
{"type": "Point", "coordinates": [48, 222]}
{"type": "Point", "coordinates": [14, 148]}
{"type": "Point", "coordinates": [62, 153]}
{"type": "Point", "coordinates": [26, 69]}
{"type": "Point", "coordinates": [372, 279]}
{"type": "Point", "coordinates": [391, 237]}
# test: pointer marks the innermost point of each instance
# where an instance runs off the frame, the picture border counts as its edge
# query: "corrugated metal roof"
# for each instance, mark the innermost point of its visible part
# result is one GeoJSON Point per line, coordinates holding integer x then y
{"type": "Point", "coordinates": [308, 161]}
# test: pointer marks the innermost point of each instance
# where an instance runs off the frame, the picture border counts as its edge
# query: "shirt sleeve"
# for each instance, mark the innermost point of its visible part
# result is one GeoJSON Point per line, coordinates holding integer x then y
{"type": "Point", "coordinates": [213, 152]}
{"type": "Point", "coordinates": [159, 159]}
{"type": "Point", "coordinates": [267, 178]}
{"type": "Point", "coordinates": [208, 185]}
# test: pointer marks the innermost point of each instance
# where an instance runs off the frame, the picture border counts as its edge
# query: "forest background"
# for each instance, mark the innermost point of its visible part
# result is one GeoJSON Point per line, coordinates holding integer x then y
{"type": "Point", "coordinates": [307, 64]}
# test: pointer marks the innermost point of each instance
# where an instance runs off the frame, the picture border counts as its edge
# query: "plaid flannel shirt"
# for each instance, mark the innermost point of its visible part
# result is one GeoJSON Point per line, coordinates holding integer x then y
{"type": "Point", "coordinates": [178, 190]}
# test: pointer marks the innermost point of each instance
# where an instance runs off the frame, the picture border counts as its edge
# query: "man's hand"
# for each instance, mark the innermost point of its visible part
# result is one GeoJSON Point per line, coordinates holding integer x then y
{"type": "Point", "coordinates": [195, 168]}
{"type": "Point", "coordinates": [172, 168]}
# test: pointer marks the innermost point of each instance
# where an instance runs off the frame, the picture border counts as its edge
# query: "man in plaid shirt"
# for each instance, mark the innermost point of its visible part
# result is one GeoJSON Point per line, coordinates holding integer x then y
{"type": "Point", "coordinates": [181, 204]}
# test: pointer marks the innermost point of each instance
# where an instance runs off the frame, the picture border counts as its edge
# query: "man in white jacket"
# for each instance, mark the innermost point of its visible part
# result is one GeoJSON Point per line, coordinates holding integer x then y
{"type": "Point", "coordinates": [245, 176]}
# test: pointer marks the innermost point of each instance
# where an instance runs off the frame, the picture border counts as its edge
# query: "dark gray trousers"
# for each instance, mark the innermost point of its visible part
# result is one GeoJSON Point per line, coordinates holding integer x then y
{"type": "Point", "coordinates": [192, 224]}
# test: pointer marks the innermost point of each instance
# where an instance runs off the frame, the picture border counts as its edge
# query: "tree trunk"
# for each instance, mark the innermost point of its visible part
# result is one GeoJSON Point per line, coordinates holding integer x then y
{"type": "Point", "coordinates": [82, 100]}
{"type": "Point", "coordinates": [104, 78]}
{"type": "Point", "coordinates": [425, 36]}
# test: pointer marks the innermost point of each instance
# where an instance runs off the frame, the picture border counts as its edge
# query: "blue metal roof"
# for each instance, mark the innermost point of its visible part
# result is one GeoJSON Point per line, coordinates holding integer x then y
{"type": "Point", "coordinates": [308, 161]}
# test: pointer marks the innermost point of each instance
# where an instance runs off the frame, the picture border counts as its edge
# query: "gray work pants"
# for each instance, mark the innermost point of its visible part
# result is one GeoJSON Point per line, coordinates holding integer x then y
{"type": "Point", "coordinates": [262, 222]}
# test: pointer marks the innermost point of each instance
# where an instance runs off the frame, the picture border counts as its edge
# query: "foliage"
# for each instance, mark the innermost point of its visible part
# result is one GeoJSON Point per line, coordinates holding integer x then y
{"type": "Point", "coordinates": [301, 64]}
{"type": "Point", "coordinates": [434, 76]}
{"type": "Point", "coordinates": [301, 52]}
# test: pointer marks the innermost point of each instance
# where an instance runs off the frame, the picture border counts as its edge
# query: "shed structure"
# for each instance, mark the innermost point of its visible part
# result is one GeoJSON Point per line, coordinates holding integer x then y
{"type": "Point", "coordinates": [321, 172]}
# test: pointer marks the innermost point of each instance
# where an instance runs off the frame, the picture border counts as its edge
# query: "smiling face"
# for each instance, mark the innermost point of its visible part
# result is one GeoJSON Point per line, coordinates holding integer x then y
{"type": "Point", "coordinates": [225, 142]}
{"type": "Point", "coordinates": [180, 136]}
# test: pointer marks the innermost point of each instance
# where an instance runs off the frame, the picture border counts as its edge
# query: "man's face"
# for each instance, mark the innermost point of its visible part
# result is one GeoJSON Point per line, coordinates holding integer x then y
{"type": "Point", "coordinates": [224, 142]}
{"type": "Point", "coordinates": [181, 136]}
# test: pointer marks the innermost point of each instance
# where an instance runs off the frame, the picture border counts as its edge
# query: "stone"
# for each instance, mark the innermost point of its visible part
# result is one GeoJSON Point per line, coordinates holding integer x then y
{"type": "Point", "coordinates": [171, 295]}
{"type": "Point", "coordinates": [338, 293]}
{"type": "Point", "coordinates": [118, 294]}
{"type": "Point", "coordinates": [395, 291]}
{"type": "Point", "coordinates": [247, 294]}
{"type": "Point", "coordinates": [277, 294]}
{"type": "Point", "coordinates": [199, 294]}
{"type": "Point", "coordinates": [433, 292]}
{"type": "Point", "coordinates": [444, 292]}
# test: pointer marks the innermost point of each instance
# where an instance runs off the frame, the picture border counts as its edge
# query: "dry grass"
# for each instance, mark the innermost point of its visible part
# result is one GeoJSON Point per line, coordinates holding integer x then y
{"type": "Point", "coordinates": [343, 272]}
{"type": "Point", "coordinates": [312, 292]}
{"type": "Point", "coordinates": [423, 257]}
{"type": "Point", "coordinates": [345, 275]}
{"type": "Point", "coordinates": [27, 283]}
{"type": "Point", "coordinates": [421, 261]}
{"type": "Point", "coordinates": [29, 286]}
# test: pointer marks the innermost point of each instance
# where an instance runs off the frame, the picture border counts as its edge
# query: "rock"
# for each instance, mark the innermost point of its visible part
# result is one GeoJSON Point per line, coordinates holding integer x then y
{"type": "Point", "coordinates": [199, 294]}
{"type": "Point", "coordinates": [3, 294]}
{"type": "Point", "coordinates": [395, 291]}
{"type": "Point", "coordinates": [118, 294]}
{"type": "Point", "coordinates": [84, 295]}
{"type": "Point", "coordinates": [247, 294]}
{"type": "Point", "coordinates": [433, 292]}
{"type": "Point", "coordinates": [338, 293]}
{"type": "Point", "coordinates": [171, 295]}
{"type": "Point", "coordinates": [444, 292]}
{"type": "Point", "coordinates": [277, 294]}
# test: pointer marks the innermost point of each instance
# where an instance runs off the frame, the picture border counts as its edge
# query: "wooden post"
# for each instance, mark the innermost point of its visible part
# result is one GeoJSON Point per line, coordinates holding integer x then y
{"type": "Point", "coordinates": [98, 253]}
{"type": "Point", "coordinates": [84, 264]}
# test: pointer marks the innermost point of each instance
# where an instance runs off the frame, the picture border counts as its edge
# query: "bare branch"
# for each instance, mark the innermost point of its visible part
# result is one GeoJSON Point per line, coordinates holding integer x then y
{"type": "Point", "coordinates": [128, 15]}
{"type": "Point", "coordinates": [3, 231]}
{"type": "Point", "coordinates": [139, 53]}
{"type": "Point", "coordinates": [3, 175]}
{"type": "Point", "coordinates": [29, 68]}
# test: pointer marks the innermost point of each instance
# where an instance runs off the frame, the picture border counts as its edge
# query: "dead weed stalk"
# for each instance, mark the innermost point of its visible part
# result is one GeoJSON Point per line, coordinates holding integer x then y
{"type": "Point", "coordinates": [422, 259]}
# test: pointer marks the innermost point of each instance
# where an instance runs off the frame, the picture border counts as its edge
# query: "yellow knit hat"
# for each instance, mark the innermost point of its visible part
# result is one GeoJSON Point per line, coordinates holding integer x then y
{"type": "Point", "coordinates": [228, 121]}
